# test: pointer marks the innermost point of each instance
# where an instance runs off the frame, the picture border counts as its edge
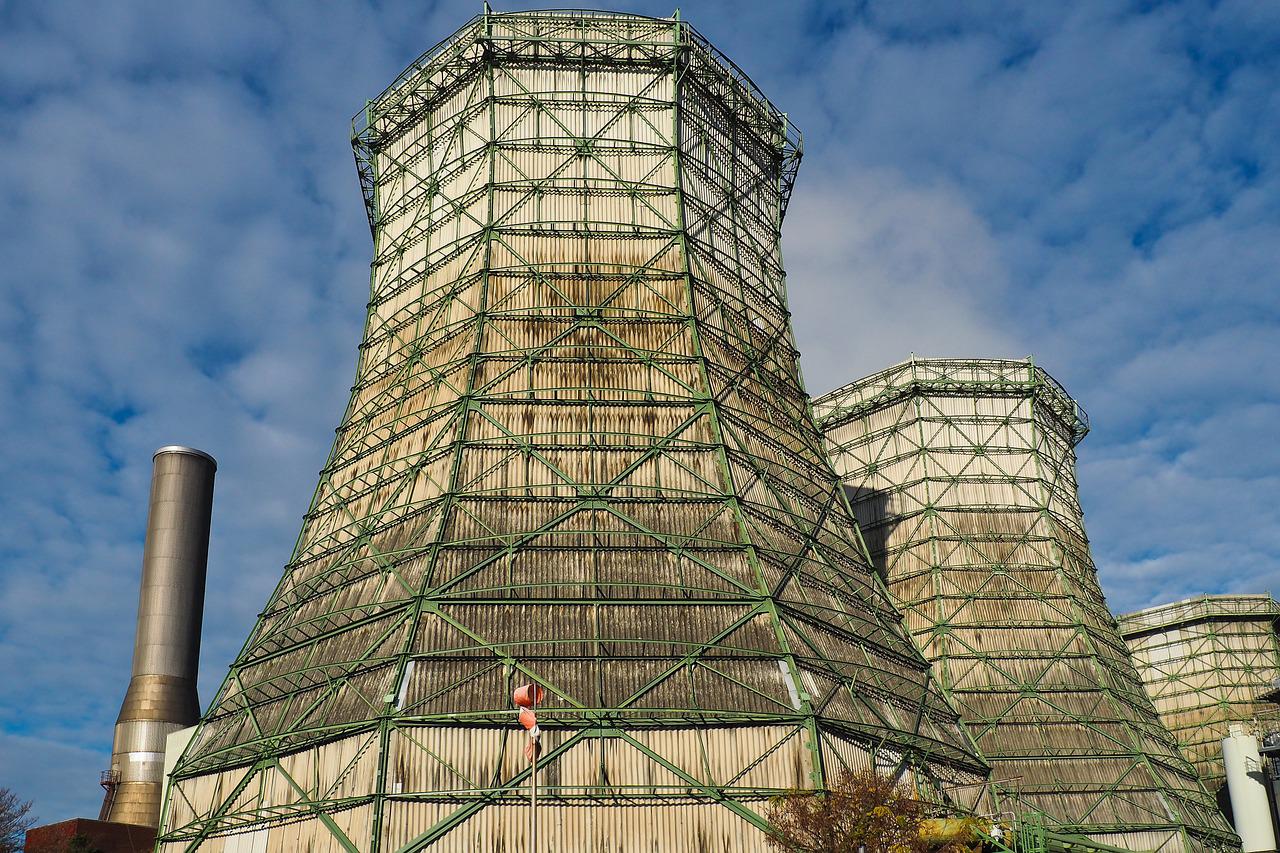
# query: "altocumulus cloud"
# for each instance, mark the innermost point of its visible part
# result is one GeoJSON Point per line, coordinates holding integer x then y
{"type": "Point", "coordinates": [185, 259]}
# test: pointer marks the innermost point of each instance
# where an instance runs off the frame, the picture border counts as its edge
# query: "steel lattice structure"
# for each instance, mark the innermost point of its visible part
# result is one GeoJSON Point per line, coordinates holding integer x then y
{"type": "Point", "coordinates": [577, 453]}
{"type": "Point", "coordinates": [962, 477]}
{"type": "Point", "coordinates": [1208, 662]}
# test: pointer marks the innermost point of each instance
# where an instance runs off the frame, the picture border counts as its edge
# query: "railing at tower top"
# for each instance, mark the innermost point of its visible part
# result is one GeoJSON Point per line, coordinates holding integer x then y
{"type": "Point", "coordinates": [1199, 608]}
{"type": "Point", "coordinates": [466, 35]}
{"type": "Point", "coordinates": [951, 377]}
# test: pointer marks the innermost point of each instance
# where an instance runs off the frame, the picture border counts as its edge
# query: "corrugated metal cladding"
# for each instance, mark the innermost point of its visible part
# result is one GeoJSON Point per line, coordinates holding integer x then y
{"type": "Point", "coordinates": [577, 452]}
{"type": "Point", "coordinates": [604, 791]}
{"type": "Point", "coordinates": [962, 476]}
{"type": "Point", "coordinates": [1206, 663]}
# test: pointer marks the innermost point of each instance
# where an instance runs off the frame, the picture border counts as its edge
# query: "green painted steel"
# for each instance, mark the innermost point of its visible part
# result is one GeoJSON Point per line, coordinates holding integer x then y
{"type": "Point", "coordinates": [577, 453]}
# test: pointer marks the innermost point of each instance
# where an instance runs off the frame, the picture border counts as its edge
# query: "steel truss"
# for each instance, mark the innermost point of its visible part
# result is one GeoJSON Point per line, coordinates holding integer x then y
{"type": "Point", "coordinates": [1208, 662]}
{"type": "Point", "coordinates": [962, 477]}
{"type": "Point", "coordinates": [578, 453]}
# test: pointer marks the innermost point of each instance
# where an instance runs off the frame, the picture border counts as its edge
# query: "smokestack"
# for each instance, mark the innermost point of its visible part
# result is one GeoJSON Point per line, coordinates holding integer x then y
{"type": "Point", "coordinates": [162, 692]}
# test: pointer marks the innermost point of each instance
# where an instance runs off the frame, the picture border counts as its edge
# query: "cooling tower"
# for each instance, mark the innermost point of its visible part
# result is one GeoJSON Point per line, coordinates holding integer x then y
{"type": "Point", "coordinates": [962, 476]}
{"type": "Point", "coordinates": [577, 453]}
{"type": "Point", "coordinates": [166, 654]}
{"type": "Point", "coordinates": [1206, 662]}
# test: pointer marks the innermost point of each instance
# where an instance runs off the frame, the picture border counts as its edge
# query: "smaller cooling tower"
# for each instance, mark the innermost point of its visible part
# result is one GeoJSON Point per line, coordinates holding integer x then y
{"type": "Point", "coordinates": [162, 692]}
{"type": "Point", "coordinates": [1208, 662]}
{"type": "Point", "coordinates": [962, 475]}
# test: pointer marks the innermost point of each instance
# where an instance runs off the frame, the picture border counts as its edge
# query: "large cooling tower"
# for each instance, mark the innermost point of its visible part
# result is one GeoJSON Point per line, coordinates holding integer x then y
{"type": "Point", "coordinates": [577, 453]}
{"type": "Point", "coordinates": [962, 477]}
{"type": "Point", "coordinates": [1207, 662]}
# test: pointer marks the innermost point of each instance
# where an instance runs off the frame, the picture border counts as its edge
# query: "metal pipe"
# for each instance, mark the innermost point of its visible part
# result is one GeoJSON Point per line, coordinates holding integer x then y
{"type": "Point", "coordinates": [1249, 805]}
{"type": "Point", "coordinates": [162, 692]}
{"type": "Point", "coordinates": [1270, 751]}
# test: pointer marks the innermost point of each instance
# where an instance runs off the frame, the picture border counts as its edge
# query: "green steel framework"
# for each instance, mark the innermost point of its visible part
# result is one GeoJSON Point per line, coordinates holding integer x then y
{"type": "Point", "coordinates": [577, 452]}
{"type": "Point", "coordinates": [1207, 662]}
{"type": "Point", "coordinates": [961, 473]}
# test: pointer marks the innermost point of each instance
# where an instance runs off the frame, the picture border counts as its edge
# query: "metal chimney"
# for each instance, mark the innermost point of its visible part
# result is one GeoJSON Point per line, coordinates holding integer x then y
{"type": "Point", "coordinates": [162, 692]}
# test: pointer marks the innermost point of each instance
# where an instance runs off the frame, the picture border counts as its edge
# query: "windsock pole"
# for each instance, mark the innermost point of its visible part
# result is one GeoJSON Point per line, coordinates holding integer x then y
{"type": "Point", "coordinates": [533, 804]}
{"type": "Point", "coordinates": [526, 699]}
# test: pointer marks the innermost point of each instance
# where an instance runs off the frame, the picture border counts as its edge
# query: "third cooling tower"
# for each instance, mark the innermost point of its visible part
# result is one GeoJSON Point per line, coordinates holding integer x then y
{"type": "Point", "coordinates": [962, 477]}
{"type": "Point", "coordinates": [1209, 662]}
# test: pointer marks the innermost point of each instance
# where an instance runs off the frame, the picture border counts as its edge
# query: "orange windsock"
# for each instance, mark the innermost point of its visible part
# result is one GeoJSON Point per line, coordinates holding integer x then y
{"type": "Point", "coordinates": [528, 695]}
{"type": "Point", "coordinates": [528, 719]}
{"type": "Point", "coordinates": [532, 750]}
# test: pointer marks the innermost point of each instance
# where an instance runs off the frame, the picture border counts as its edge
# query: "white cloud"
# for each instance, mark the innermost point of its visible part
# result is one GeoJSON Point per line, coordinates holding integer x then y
{"type": "Point", "coordinates": [878, 269]}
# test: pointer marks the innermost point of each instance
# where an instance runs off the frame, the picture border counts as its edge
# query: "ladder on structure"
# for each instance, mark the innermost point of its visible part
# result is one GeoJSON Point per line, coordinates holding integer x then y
{"type": "Point", "coordinates": [109, 781]}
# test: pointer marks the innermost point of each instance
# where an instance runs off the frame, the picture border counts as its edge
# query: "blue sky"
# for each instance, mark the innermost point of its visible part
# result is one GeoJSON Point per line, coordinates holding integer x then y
{"type": "Point", "coordinates": [184, 260]}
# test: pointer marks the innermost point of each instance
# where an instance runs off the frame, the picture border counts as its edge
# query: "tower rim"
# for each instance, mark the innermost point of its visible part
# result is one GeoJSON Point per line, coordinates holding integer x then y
{"type": "Point", "coordinates": [885, 387]}
{"type": "Point", "coordinates": [185, 450]}
{"type": "Point", "coordinates": [367, 136]}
